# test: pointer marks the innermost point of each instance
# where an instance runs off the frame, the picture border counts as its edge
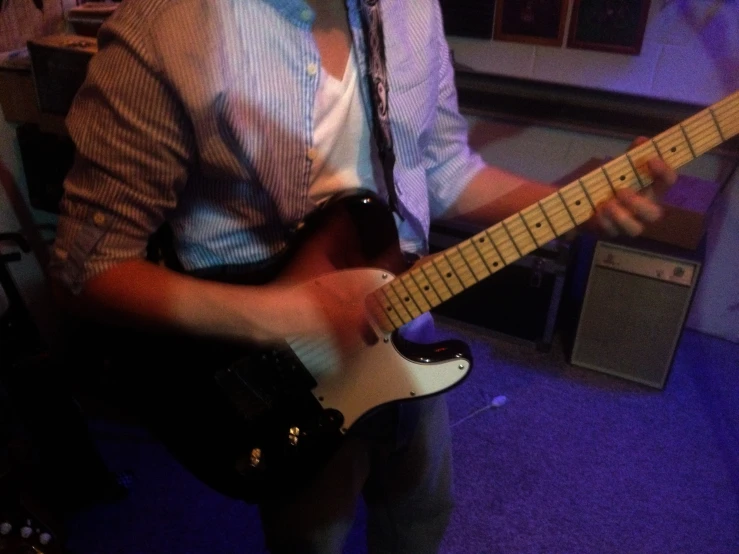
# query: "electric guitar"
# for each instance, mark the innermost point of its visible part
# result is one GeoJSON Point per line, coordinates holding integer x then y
{"type": "Point", "coordinates": [254, 422]}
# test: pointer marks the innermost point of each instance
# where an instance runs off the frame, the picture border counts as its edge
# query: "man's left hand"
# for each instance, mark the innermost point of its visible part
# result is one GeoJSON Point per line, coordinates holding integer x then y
{"type": "Point", "coordinates": [628, 211]}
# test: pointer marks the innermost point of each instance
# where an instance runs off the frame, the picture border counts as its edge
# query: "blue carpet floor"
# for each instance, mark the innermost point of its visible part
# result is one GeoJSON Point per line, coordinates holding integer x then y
{"type": "Point", "coordinates": [574, 461]}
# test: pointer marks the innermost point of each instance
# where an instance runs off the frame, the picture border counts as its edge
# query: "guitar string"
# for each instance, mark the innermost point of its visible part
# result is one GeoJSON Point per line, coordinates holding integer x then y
{"type": "Point", "coordinates": [706, 120]}
{"type": "Point", "coordinates": [623, 164]}
{"type": "Point", "coordinates": [479, 262]}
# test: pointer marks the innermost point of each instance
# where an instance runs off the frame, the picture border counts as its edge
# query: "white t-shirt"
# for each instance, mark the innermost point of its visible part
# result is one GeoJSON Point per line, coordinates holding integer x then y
{"type": "Point", "coordinates": [344, 149]}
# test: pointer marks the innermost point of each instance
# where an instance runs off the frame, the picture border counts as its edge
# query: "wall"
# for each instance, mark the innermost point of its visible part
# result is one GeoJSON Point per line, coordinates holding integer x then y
{"type": "Point", "coordinates": [690, 54]}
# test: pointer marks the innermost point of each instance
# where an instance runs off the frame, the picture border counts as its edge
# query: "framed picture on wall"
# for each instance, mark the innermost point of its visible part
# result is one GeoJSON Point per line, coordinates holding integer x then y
{"type": "Point", "coordinates": [608, 25]}
{"type": "Point", "coordinates": [530, 21]}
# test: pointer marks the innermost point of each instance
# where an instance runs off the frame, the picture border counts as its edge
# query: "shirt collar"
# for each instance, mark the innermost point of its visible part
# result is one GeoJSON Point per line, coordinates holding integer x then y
{"type": "Point", "coordinates": [296, 12]}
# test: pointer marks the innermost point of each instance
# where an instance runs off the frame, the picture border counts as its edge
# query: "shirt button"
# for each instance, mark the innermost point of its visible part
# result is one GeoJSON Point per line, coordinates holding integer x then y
{"type": "Point", "coordinates": [98, 218]}
{"type": "Point", "coordinates": [305, 15]}
{"type": "Point", "coordinates": [312, 69]}
{"type": "Point", "coordinates": [312, 154]}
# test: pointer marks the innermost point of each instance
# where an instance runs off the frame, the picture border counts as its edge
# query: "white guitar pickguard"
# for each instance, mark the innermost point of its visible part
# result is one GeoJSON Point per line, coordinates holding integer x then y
{"type": "Point", "coordinates": [354, 383]}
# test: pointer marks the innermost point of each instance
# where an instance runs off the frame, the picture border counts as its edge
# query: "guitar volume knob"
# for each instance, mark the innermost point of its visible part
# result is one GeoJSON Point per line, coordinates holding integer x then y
{"type": "Point", "coordinates": [256, 457]}
{"type": "Point", "coordinates": [294, 436]}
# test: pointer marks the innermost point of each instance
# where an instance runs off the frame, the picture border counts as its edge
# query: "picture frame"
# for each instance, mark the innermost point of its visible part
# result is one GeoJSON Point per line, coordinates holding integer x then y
{"type": "Point", "coordinates": [609, 25]}
{"type": "Point", "coordinates": [531, 21]}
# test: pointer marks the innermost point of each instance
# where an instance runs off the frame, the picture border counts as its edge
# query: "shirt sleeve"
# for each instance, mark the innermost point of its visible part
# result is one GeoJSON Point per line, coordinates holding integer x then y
{"type": "Point", "coordinates": [132, 150]}
{"type": "Point", "coordinates": [450, 163]}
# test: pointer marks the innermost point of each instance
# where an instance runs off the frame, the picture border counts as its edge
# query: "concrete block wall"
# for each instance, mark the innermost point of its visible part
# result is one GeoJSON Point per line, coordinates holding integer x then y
{"type": "Point", "coordinates": [690, 54]}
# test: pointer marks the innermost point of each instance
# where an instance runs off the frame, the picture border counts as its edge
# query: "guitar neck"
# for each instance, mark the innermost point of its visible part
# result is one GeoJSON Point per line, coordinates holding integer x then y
{"type": "Point", "coordinates": [460, 267]}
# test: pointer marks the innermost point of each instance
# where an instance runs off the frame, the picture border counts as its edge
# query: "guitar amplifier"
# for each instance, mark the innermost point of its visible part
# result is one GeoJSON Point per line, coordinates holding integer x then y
{"type": "Point", "coordinates": [633, 309]}
{"type": "Point", "coordinates": [521, 302]}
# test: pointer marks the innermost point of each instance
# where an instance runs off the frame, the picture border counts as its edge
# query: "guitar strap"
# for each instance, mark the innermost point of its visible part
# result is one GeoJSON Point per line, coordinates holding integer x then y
{"type": "Point", "coordinates": [374, 39]}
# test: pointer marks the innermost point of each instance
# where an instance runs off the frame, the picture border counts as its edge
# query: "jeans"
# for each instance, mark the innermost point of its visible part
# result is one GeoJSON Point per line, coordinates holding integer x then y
{"type": "Point", "coordinates": [399, 459]}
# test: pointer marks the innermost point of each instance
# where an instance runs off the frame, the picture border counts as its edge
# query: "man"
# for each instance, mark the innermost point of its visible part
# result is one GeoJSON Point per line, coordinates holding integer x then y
{"type": "Point", "coordinates": [232, 121]}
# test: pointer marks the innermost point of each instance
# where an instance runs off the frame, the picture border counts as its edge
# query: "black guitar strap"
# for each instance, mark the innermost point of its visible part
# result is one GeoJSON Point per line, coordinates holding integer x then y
{"type": "Point", "coordinates": [374, 39]}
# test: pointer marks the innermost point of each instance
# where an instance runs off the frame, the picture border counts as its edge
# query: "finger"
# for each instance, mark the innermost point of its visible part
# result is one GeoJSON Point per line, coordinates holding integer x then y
{"type": "Point", "coordinates": [645, 209]}
{"type": "Point", "coordinates": [649, 194]}
{"type": "Point", "coordinates": [622, 219]}
{"type": "Point", "coordinates": [664, 176]}
{"type": "Point", "coordinates": [606, 224]}
{"type": "Point", "coordinates": [638, 141]}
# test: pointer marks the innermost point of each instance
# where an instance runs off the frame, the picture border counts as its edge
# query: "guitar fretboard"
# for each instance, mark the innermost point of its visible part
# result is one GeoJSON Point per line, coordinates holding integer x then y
{"type": "Point", "coordinates": [460, 267]}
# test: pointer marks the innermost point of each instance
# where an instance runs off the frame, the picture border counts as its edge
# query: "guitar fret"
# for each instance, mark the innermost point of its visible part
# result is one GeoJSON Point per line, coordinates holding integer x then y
{"type": "Point", "coordinates": [718, 127]}
{"type": "Point", "coordinates": [678, 154]}
{"type": "Point", "coordinates": [492, 241]}
{"type": "Point", "coordinates": [455, 267]}
{"type": "Point", "coordinates": [380, 310]}
{"type": "Point", "coordinates": [656, 147]}
{"type": "Point", "coordinates": [564, 203]}
{"type": "Point", "coordinates": [484, 243]}
{"type": "Point", "coordinates": [390, 309]}
{"type": "Point", "coordinates": [622, 168]}
{"type": "Point", "coordinates": [425, 288]}
{"type": "Point", "coordinates": [593, 185]}
{"type": "Point", "coordinates": [467, 263]}
{"type": "Point", "coordinates": [442, 297]}
{"type": "Point", "coordinates": [687, 140]}
{"type": "Point", "coordinates": [461, 267]}
{"type": "Point", "coordinates": [482, 256]}
{"type": "Point", "coordinates": [409, 296]}
{"type": "Point", "coordinates": [608, 180]}
{"type": "Point", "coordinates": [544, 234]}
{"type": "Point", "coordinates": [587, 194]}
{"type": "Point", "coordinates": [507, 250]}
{"type": "Point", "coordinates": [475, 254]}
{"type": "Point", "coordinates": [528, 229]}
{"type": "Point", "coordinates": [402, 304]}
{"type": "Point", "coordinates": [723, 119]}
{"type": "Point", "coordinates": [505, 227]}
{"type": "Point", "coordinates": [546, 216]}
{"type": "Point", "coordinates": [447, 275]}
{"type": "Point", "coordinates": [636, 172]}
{"type": "Point", "coordinates": [705, 132]}
{"type": "Point", "coordinates": [415, 291]}
{"type": "Point", "coordinates": [572, 195]}
{"type": "Point", "coordinates": [402, 312]}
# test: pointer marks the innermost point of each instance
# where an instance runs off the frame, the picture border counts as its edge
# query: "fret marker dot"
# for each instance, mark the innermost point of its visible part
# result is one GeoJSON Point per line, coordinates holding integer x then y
{"type": "Point", "coordinates": [495, 264]}
{"type": "Point", "coordinates": [448, 275]}
{"type": "Point", "coordinates": [426, 287]}
{"type": "Point", "coordinates": [389, 308]}
{"type": "Point", "coordinates": [407, 299]}
{"type": "Point", "coordinates": [577, 203]}
{"type": "Point", "coordinates": [623, 177]}
{"type": "Point", "coordinates": [538, 225]}
{"type": "Point", "coordinates": [673, 149]}
{"type": "Point", "coordinates": [482, 239]}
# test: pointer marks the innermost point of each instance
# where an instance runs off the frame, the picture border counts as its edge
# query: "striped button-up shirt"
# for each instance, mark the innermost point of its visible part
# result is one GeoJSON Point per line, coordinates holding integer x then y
{"type": "Point", "coordinates": [200, 113]}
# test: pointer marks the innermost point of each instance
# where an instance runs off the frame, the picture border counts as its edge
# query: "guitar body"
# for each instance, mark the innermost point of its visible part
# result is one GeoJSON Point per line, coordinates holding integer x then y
{"type": "Point", "coordinates": [254, 422]}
